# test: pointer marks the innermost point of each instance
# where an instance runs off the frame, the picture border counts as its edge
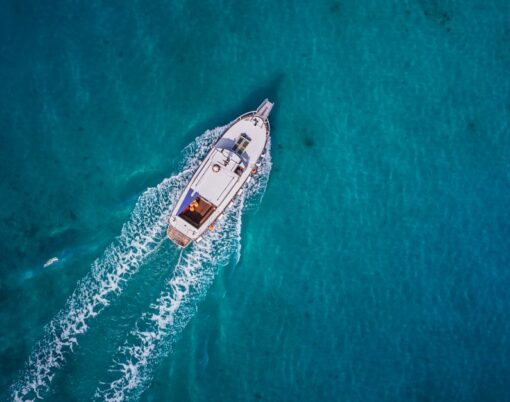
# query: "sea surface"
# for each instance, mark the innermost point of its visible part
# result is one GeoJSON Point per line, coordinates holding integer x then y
{"type": "Point", "coordinates": [369, 260]}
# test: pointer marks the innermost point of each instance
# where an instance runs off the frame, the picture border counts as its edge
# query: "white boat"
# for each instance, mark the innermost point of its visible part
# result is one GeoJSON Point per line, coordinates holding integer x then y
{"type": "Point", "coordinates": [221, 176]}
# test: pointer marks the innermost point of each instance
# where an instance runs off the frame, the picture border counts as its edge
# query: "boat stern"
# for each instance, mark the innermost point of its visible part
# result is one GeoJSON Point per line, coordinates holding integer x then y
{"type": "Point", "coordinates": [177, 236]}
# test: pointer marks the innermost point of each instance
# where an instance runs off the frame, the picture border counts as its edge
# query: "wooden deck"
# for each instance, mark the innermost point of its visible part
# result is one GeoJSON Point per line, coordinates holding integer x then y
{"type": "Point", "coordinates": [177, 237]}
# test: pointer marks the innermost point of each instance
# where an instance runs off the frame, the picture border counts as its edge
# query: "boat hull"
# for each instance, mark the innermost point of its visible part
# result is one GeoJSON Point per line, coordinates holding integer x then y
{"type": "Point", "coordinates": [220, 177]}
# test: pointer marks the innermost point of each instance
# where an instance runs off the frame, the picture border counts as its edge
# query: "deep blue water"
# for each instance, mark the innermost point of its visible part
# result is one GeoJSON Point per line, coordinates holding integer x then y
{"type": "Point", "coordinates": [374, 268]}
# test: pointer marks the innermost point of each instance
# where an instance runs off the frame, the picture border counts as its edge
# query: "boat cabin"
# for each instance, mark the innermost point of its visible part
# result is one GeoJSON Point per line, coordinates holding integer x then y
{"type": "Point", "coordinates": [197, 212]}
{"type": "Point", "coordinates": [213, 183]}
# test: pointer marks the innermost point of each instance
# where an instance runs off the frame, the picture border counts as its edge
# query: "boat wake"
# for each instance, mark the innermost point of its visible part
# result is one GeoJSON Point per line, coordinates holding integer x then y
{"type": "Point", "coordinates": [139, 238]}
{"type": "Point", "coordinates": [158, 328]}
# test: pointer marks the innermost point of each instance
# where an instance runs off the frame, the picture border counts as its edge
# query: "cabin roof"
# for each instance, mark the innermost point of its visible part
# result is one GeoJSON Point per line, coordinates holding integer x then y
{"type": "Point", "coordinates": [217, 178]}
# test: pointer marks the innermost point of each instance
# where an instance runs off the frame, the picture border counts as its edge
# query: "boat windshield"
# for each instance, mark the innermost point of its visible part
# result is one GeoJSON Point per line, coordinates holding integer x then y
{"type": "Point", "coordinates": [241, 144]}
{"type": "Point", "coordinates": [197, 212]}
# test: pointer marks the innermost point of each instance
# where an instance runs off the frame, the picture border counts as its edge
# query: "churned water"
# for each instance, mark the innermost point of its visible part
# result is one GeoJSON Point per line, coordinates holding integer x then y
{"type": "Point", "coordinates": [367, 261]}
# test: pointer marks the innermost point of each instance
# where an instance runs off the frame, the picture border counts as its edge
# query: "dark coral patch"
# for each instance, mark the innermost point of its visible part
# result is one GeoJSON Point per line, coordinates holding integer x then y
{"type": "Point", "coordinates": [334, 7]}
{"type": "Point", "coordinates": [434, 10]}
{"type": "Point", "coordinates": [308, 142]}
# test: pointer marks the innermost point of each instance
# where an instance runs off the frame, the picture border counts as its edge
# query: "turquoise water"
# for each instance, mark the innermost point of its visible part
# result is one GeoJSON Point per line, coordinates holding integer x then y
{"type": "Point", "coordinates": [373, 266]}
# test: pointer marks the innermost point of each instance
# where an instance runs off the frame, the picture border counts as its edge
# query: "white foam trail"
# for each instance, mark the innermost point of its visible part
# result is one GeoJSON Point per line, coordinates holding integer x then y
{"type": "Point", "coordinates": [166, 318]}
{"type": "Point", "coordinates": [51, 261]}
{"type": "Point", "coordinates": [140, 237]}
{"type": "Point", "coordinates": [158, 329]}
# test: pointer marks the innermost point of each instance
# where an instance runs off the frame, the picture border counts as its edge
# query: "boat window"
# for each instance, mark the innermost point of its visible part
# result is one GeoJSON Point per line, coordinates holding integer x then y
{"type": "Point", "coordinates": [197, 212]}
{"type": "Point", "coordinates": [241, 144]}
{"type": "Point", "coordinates": [239, 170]}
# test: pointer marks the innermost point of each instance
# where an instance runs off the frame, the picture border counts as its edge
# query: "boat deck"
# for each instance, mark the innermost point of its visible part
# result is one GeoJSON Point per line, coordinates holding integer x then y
{"type": "Point", "coordinates": [177, 237]}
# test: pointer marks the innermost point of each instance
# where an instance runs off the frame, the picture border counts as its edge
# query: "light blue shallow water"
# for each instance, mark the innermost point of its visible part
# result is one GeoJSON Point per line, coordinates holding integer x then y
{"type": "Point", "coordinates": [374, 268]}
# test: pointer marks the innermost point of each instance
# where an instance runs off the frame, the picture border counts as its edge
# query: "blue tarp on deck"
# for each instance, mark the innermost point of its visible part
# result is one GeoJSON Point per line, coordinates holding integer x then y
{"type": "Point", "coordinates": [192, 195]}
